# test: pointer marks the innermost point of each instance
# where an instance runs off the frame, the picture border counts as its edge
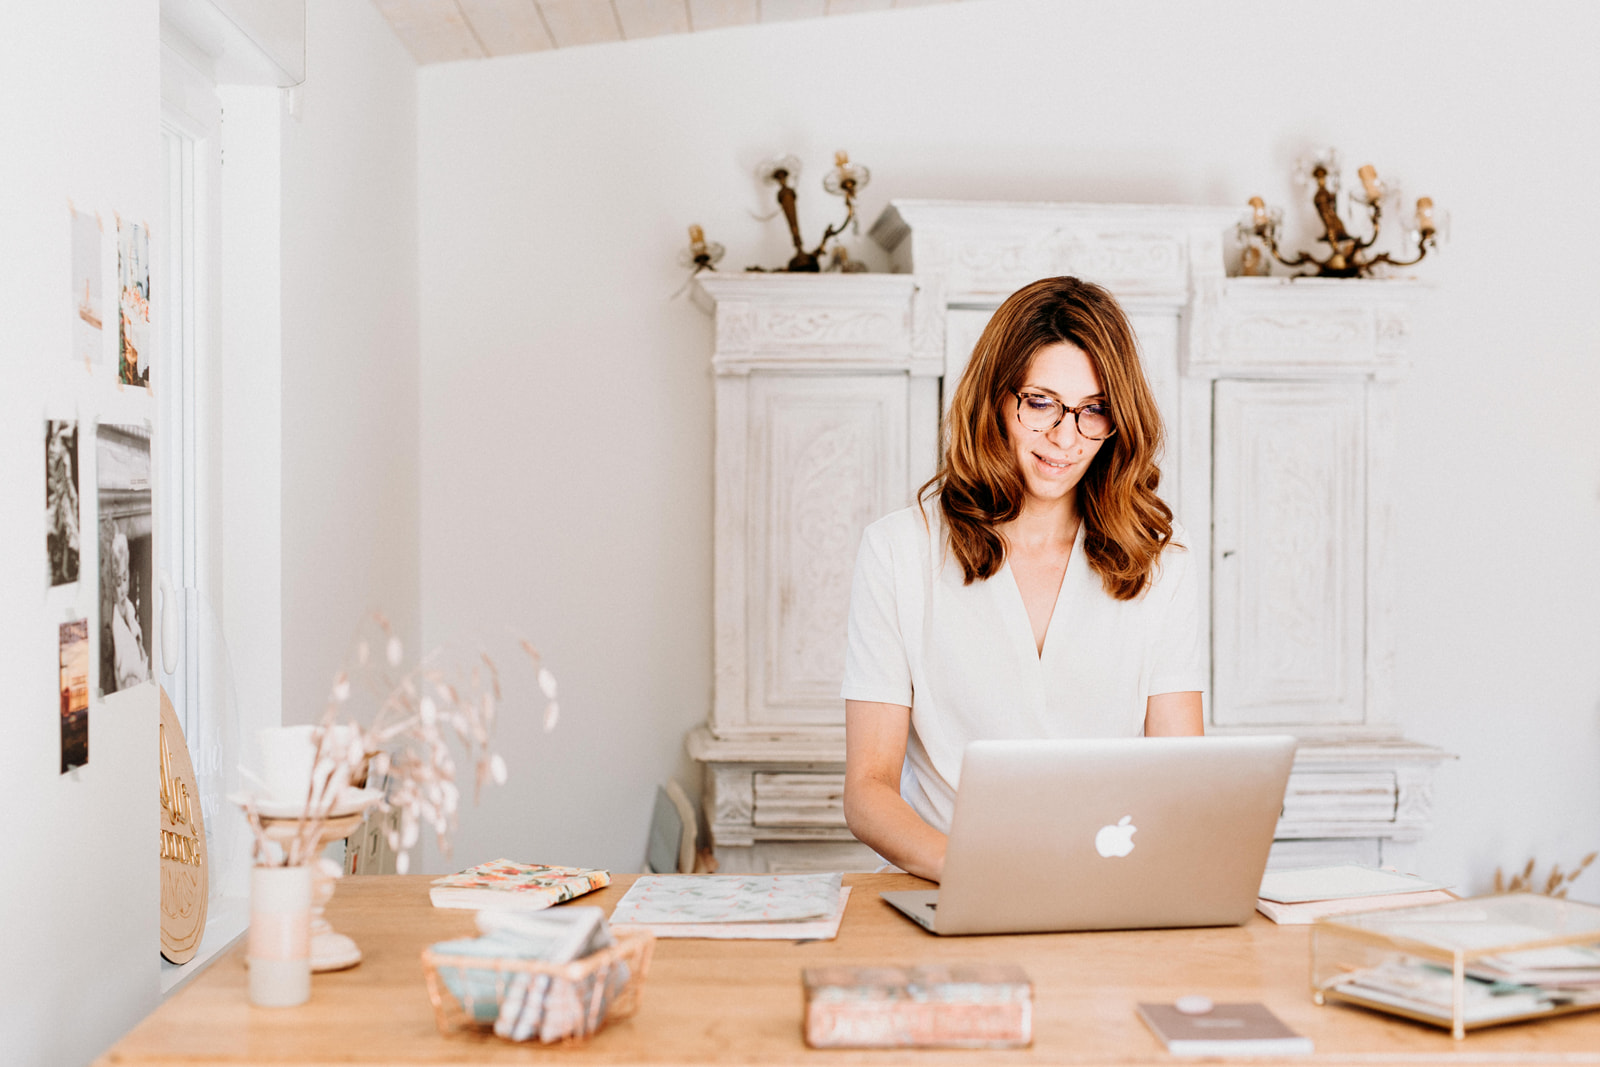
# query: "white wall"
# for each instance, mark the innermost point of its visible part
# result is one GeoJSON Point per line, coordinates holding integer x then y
{"type": "Point", "coordinates": [554, 192]}
{"type": "Point", "coordinates": [319, 340]}
{"type": "Point", "coordinates": [79, 900]}
{"type": "Point", "coordinates": [349, 355]}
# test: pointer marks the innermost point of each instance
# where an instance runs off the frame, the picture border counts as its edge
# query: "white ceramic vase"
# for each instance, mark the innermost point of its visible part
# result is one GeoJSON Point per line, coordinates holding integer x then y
{"type": "Point", "coordinates": [280, 936]}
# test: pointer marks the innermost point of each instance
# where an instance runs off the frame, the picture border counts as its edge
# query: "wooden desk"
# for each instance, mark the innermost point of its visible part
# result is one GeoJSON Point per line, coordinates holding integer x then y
{"type": "Point", "coordinates": [722, 1002]}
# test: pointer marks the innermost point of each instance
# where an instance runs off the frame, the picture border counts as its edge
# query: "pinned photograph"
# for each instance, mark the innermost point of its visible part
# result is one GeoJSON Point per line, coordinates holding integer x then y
{"type": "Point", "coordinates": [61, 499]}
{"type": "Point", "coordinates": [86, 323]}
{"type": "Point", "coordinates": [74, 694]}
{"type": "Point", "coordinates": [133, 277]}
{"type": "Point", "coordinates": [122, 458]}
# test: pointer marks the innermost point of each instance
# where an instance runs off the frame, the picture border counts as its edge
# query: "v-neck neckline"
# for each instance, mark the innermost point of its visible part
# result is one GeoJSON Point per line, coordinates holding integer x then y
{"type": "Point", "coordinates": [1019, 610]}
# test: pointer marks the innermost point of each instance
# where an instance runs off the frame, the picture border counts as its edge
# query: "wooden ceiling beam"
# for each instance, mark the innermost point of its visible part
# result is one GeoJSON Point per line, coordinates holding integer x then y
{"type": "Point", "coordinates": [720, 14]}
{"type": "Point", "coordinates": [433, 31]}
{"type": "Point", "coordinates": [790, 10]}
{"type": "Point", "coordinates": [507, 27]}
{"type": "Point", "coordinates": [441, 31]}
{"type": "Point", "coordinates": [580, 22]}
{"type": "Point", "coordinates": [651, 18]}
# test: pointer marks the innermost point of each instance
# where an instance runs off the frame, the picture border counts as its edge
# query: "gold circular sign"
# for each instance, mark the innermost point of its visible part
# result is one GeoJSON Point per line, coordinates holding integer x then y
{"type": "Point", "coordinates": [185, 872]}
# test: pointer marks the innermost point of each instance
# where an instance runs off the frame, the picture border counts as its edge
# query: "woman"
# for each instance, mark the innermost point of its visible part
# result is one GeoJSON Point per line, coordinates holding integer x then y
{"type": "Point", "coordinates": [1038, 589]}
{"type": "Point", "coordinates": [130, 664]}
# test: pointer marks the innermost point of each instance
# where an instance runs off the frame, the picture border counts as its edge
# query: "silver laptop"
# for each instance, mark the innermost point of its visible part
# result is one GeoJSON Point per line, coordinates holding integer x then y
{"type": "Point", "coordinates": [1107, 835]}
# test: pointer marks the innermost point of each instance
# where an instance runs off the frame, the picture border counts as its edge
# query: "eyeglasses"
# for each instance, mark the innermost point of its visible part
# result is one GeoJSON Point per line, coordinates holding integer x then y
{"type": "Point", "coordinates": [1041, 413]}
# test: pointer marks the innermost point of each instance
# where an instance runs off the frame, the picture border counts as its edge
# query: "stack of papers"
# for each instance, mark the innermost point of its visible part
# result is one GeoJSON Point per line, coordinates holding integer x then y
{"type": "Point", "coordinates": [1426, 989]}
{"type": "Point", "coordinates": [1303, 895]}
{"type": "Point", "coordinates": [1562, 967]}
{"type": "Point", "coordinates": [798, 907]}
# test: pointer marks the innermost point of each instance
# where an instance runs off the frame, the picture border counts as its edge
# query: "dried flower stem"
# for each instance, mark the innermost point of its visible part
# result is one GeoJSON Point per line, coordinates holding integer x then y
{"type": "Point", "coordinates": [1556, 883]}
{"type": "Point", "coordinates": [404, 748]}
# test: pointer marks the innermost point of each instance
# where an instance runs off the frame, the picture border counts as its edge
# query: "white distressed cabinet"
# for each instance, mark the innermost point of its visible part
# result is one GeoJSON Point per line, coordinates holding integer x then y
{"type": "Point", "coordinates": [827, 418]}
{"type": "Point", "coordinates": [1278, 398]}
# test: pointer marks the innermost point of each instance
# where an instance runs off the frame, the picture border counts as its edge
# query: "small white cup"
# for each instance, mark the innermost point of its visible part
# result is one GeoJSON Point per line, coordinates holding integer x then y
{"type": "Point", "coordinates": [287, 757]}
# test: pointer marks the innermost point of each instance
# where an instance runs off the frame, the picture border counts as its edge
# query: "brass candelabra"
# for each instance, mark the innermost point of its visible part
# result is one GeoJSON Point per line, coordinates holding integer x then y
{"type": "Point", "coordinates": [1349, 256]}
{"type": "Point", "coordinates": [846, 180]}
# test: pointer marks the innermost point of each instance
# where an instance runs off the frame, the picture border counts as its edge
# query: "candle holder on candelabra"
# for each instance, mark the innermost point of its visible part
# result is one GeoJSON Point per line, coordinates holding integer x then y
{"type": "Point", "coordinates": [1349, 255]}
{"type": "Point", "coordinates": [700, 255]}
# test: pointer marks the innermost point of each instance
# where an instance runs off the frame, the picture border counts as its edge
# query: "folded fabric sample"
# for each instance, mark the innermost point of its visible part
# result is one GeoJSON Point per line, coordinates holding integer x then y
{"type": "Point", "coordinates": [506, 883]}
{"type": "Point", "coordinates": [524, 1005]}
{"type": "Point", "coordinates": [825, 929]}
{"type": "Point", "coordinates": [552, 936]}
{"type": "Point", "coordinates": [728, 898]}
{"type": "Point", "coordinates": [476, 988]}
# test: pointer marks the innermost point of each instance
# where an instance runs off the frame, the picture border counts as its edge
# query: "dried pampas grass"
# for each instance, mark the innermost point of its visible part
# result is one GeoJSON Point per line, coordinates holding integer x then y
{"type": "Point", "coordinates": [1556, 883]}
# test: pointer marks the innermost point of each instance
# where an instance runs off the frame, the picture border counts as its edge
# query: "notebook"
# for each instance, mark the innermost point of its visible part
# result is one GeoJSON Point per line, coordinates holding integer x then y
{"type": "Point", "coordinates": [1107, 834]}
{"type": "Point", "coordinates": [1299, 896]}
{"type": "Point", "coordinates": [509, 884]}
{"type": "Point", "coordinates": [1225, 1030]}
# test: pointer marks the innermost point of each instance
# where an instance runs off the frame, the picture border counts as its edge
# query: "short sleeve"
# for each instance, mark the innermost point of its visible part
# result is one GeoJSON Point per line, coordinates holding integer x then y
{"type": "Point", "coordinates": [876, 667]}
{"type": "Point", "coordinates": [1178, 654]}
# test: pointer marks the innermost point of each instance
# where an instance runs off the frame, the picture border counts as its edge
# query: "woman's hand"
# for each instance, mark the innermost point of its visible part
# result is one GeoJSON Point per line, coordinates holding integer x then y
{"type": "Point", "coordinates": [875, 748]}
{"type": "Point", "coordinates": [1174, 715]}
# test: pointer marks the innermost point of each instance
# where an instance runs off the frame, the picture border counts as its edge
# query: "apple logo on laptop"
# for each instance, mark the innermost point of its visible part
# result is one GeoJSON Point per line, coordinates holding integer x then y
{"type": "Point", "coordinates": [1116, 840]}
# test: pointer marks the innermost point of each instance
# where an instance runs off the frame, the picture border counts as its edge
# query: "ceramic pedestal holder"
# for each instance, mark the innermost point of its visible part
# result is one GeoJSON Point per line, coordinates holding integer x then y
{"type": "Point", "coordinates": [280, 936]}
{"type": "Point", "coordinates": [330, 950]}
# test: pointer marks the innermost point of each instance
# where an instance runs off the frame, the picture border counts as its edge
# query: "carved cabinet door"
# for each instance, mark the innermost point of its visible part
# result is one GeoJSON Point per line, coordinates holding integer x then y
{"type": "Point", "coordinates": [826, 457]}
{"type": "Point", "coordinates": [1288, 553]}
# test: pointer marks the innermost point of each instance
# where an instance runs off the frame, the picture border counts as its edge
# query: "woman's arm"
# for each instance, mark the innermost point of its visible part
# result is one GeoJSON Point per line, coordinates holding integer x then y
{"type": "Point", "coordinates": [874, 750]}
{"type": "Point", "coordinates": [1174, 715]}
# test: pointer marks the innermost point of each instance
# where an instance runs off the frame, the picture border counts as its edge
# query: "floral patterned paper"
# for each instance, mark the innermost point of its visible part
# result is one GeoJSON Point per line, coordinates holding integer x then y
{"type": "Point", "coordinates": [825, 929]}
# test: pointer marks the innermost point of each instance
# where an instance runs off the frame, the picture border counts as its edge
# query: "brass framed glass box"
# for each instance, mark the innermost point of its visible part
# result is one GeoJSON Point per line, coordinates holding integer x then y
{"type": "Point", "coordinates": [1463, 964]}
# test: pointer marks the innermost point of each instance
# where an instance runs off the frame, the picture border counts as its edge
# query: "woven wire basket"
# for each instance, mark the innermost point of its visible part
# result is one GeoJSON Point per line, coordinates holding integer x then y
{"type": "Point", "coordinates": [529, 1000]}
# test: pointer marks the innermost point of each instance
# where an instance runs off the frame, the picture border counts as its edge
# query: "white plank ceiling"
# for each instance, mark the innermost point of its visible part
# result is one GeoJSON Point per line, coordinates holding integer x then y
{"type": "Point", "coordinates": [438, 31]}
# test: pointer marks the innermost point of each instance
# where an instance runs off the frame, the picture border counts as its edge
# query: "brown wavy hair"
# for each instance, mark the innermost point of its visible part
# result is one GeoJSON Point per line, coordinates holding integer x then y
{"type": "Point", "coordinates": [979, 485]}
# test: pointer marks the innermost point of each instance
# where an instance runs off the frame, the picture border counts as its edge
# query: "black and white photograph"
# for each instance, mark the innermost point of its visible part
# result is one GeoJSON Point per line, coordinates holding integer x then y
{"type": "Point", "coordinates": [133, 278]}
{"type": "Point", "coordinates": [86, 319]}
{"type": "Point", "coordinates": [61, 514]}
{"type": "Point", "coordinates": [122, 460]}
{"type": "Point", "coordinates": [74, 660]}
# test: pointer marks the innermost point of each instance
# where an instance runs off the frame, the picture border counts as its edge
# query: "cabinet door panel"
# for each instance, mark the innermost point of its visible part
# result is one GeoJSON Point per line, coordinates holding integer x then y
{"type": "Point", "coordinates": [1288, 553]}
{"type": "Point", "coordinates": [1158, 352]}
{"type": "Point", "coordinates": [828, 457]}
{"type": "Point", "coordinates": [962, 328]}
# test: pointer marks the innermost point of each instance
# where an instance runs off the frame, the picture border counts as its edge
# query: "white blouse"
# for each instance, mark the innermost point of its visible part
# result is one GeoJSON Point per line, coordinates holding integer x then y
{"type": "Point", "coordinates": [963, 659]}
